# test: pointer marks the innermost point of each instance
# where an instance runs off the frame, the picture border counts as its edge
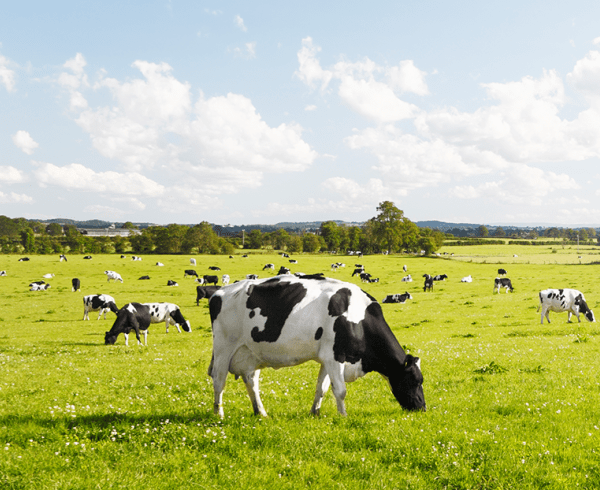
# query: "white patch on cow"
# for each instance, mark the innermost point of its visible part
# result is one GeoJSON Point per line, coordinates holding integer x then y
{"type": "Point", "coordinates": [131, 308]}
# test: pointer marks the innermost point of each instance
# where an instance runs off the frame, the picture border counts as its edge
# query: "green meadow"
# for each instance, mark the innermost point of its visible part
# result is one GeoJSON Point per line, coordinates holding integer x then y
{"type": "Point", "coordinates": [511, 403]}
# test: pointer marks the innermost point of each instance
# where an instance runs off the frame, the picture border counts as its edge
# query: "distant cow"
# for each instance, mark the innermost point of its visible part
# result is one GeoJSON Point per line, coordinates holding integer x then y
{"type": "Point", "coordinates": [160, 264]}
{"type": "Point", "coordinates": [286, 321]}
{"type": "Point", "coordinates": [62, 257]}
{"type": "Point", "coordinates": [143, 278]}
{"type": "Point", "coordinates": [293, 261]}
{"type": "Point", "coordinates": [559, 300]}
{"type": "Point", "coordinates": [214, 268]}
{"type": "Point", "coordinates": [252, 276]}
{"type": "Point", "coordinates": [358, 271]}
{"type": "Point", "coordinates": [205, 292]}
{"type": "Point", "coordinates": [404, 268]}
{"type": "Point", "coordinates": [503, 282]}
{"type": "Point", "coordinates": [190, 272]}
{"type": "Point", "coordinates": [39, 287]}
{"type": "Point", "coordinates": [48, 276]}
{"type": "Point", "coordinates": [502, 272]}
{"type": "Point", "coordinates": [269, 266]}
{"type": "Point", "coordinates": [3, 273]}
{"type": "Point", "coordinates": [428, 285]}
{"type": "Point", "coordinates": [133, 316]}
{"type": "Point", "coordinates": [225, 279]}
{"type": "Point", "coordinates": [123, 256]}
{"type": "Point", "coordinates": [397, 298]}
{"type": "Point", "coordinates": [75, 284]}
{"type": "Point", "coordinates": [283, 270]}
{"type": "Point", "coordinates": [467, 279]}
{"type": "Point", "coordinates": [210, 279]}
{"type": "Point", "coordinates": [407, 278]}
{"type": "Point", "coordinates": [440, 277]}
{"type": "Point", "coordinates": [114, 276]}
{"type": "Point", "coordinates": [134, 258]}
{"type": "Point", "coordinates": [171, 283]}
{"type": "Point", "coordinates": [98, 302]}
{"type": "Point", "coordinates": [24, 259]}
{"type": "Point", "coordinates": [193, 261]}
{"type": "Point", "coordinates": [170, 314]}
{"type": "Point", "coordinates": [87, 257]}
{"type": "Point", "coordinates": [365, 277]}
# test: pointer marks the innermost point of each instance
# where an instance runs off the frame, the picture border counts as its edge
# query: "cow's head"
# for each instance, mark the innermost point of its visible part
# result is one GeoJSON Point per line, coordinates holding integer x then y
{"type": "Point", "coordinates": [584, 308]}
{"type": "Point", "coordinates": [407, 384]}
{"type": "Point", "coordinates": [111, 306]}
{"type": "Point", "coordinates": [110, 338]}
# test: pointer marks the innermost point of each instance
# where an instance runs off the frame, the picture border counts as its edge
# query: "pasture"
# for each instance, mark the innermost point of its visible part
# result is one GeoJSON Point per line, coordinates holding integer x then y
{"type": "Point", "coordinates": [510, 403]}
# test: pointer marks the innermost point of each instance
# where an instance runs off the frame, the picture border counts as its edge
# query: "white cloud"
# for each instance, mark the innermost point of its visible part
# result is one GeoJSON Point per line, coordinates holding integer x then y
{"type": "Point", "coordinates": [11, 175]}
{"type": "Point", "coordinates": [74, 80]}
{"type": "Point", "coordinates": [240, 23]}
{"type": "Point", "coordinates": [15, 198]}
{"type": "Point", "coordinates": [310, 107]}
{"type": "Point", "coordinates": [78, 177]}
{"type": "Point", "coordinates": [7, 76]}
{"type": "Point", "coordinates": [248, 51]}
{"type": "Point", "coordinates": [310, 71]}
{"type": "Point", "coordinates": [24, 141]}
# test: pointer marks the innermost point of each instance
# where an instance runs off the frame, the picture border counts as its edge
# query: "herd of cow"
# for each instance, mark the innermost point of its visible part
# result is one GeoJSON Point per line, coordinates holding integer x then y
{"type": "Point", "coordinates": [286, 320]}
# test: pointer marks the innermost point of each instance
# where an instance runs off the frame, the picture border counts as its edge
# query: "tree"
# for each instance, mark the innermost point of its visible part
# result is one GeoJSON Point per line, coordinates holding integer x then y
{"type": "Point", "coordinates": [54, 229]}
{"type": "Point", "coordinates": [310, 242]}
{"type": "Point", "coordinates": [499, 232]}
{"type": "Point", "coordinates": [330, 232]}
{"type": "Point", "coordinates": [295, 244]}
{"type": "Point", "coordinates": [387, 226]}
{"type": "Point", "coordinates": [254, 239]}
{"type": "Point", "coordinates": [482, 231]}
{"type": "Point", "coordinates": [202, 238]}
{"type": "Point", "coordinates": [28, 240]}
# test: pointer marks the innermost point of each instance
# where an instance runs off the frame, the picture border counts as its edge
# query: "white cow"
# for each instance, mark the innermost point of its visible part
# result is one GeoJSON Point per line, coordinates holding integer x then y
{"type": "Point", "coordinates": [113, 275]}
{"type": "Point", "coordinates": [467, 279]}
{"type": "Point", "coordinates": [225, 279]}
{"type": "Point", "coordinates": [193, 261]}
{"type": "Point", "coordinates": [288, 320]}
{"type": "Point", "coordinates": [559, 300]}
{"type": "Point", "coordinates": [407, 278]}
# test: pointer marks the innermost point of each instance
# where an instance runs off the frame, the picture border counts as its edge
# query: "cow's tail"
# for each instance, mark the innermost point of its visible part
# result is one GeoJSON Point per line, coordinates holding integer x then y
{"type": "Point", "coordinates": [210, 366]}
{"type": "Point", "coordinates": [540, 305]}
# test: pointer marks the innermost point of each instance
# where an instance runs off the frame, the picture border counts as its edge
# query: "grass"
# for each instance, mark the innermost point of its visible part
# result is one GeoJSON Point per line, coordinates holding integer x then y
{"type": "Point", "coordinates": [511, 403]}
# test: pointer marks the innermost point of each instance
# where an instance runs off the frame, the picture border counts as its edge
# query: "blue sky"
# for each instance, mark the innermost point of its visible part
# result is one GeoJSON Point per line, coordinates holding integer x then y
{"type": "Point", "coordinates": [262, 112]}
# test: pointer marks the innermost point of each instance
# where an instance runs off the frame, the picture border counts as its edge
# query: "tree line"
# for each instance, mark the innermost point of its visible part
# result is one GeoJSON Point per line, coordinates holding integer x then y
{"type": "Point", "coordinates": [389, 231]}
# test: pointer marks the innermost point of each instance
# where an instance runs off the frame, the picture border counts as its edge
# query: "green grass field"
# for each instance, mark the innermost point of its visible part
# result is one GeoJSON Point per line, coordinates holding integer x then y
{"type": "Point", "coordinates": [510, 403]}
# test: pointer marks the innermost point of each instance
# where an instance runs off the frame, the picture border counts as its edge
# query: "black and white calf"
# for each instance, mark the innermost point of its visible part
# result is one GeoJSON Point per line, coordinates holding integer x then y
{"type": "Point", "coordinates": [133, 316]}
{"type": "Point", "coordinates": [289, 320]}
{"type": "Point", "coordinates": [559, 300]}
{"type": "Point", "coordinates": [365, 277]}
{"type": "Point", "coordinates": [75, 284]}
{"type": "Point", "coordinates": [143, 278]}
{"type": "Point", "coordinates": [24, 259]}
{"type": "Point", "coordinates": [502, 282]}
{"type": "Point", "coordinates": [205, 292]}
{"type": "Point", "coordinates": [113, 275]}
{"type": "Point", "coordinates": [170, 314]}
{"type": "Point", "coordinates": [98, 302]}
{"type": "Point", "coordinates": [397, 298]}
{"type": "Point", "coordinates": [358, 271]}
{"type": "Point", "coordinates": [86, 257]}
{"type": "Point", "coordinates": [135, 258]}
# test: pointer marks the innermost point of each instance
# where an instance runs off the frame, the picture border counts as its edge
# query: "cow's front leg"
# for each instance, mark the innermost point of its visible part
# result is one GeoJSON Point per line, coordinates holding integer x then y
{"type": "Point", "coordinates": [251, 382]}
{"type": "Point", "coordinates": [323, 383]}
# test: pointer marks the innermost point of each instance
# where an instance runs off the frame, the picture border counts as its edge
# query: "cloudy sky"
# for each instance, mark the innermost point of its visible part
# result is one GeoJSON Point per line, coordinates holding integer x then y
{"type": "Point", "coordinates": [244, 112]}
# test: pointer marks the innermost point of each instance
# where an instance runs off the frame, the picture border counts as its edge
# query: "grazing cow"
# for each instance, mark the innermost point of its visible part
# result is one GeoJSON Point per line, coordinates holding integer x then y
{"type": "Point", "coordinates": [199, 280]}
{"type": "Point", "coordinates": [205, 292]}
{"type": "Point", "coordinates": [559, 300]}
{"type": "Point", "coordinates": [397, 298]}
{"type": "Point", "coordinates": [170, 314]}
{"type": "Point", "coordinates": [193, 261]}
{"type": "Point", "coordinates": [407, 278]}
{"type": "Point", "coordinates": [269, 266]}
{"type": "Point", "coordinates": [114, 276]}
{"type": "Point", "coordinates": [134, 258]}
{"type": "Point", "coordinates": [160, 264]}
{"type": "Point", "coordinates": [62, 257]}
{"type": "Point", "coordinates": [502, 272]}
{"type": "Point", "coordinates": [287, 256]}
{"type": "Point", "coordinates": [428, 285]}
{"type": "Point", "coordinates": [283, 270]}
{"type": "Point", "coordinates": [3, 273]}
{"type": "Point", "coordinates": [245, 256]}
{"type": "Point", "coordinates": [404, 268]}
{"type": "Point", "coordinates": [190, 272]}
{"type": "Point", "coordinates": [293, 261]}
{"type": "Point", "coordinates": [359, 266]}
{"type": "Point", "coordinates": [502, 282]}
{"type": "Point", "coordinates": [334, 267]}
{"type": "Point", "coordinates": [365, 277]}
{"type": "Point", "coordinates": [286, 321]}
{"type": "Point", "coordinates": [133, 316]}
{"type": "Point", "coordinates": [24, 259]}
{"type": "Point", "coordinates": [98, 302]}
{"type": "Point", "coordinates": [252, 277]}
{"type": "Point", "coordinates": [39, 287]}
{"type": "Point", "coordinates": [210, 279]}
{"type": "Point", "coordinates": [143, 278]}
{"type": "Point", "coordinates": [87, 257]}
{"type": "Point", "coordinates": [440, 277]}
{"type": "Point", "coordinates": [225, 279]}
{"type": "Point", "coordinates": [171, 283]}
{"type": "Point", "coordinates": [48, 276]}
{"type": "Point", "coordinates": [467, 279]}
{"type": "Point", "coordinates": [231, 256]}
{"type": "Point", "coordinates": [374, 279]}
{"type": "Point", "coordinates": [75, 284]}
{"type": "Point", "coordinates": [214, 268]}
{"type": "Point", "coordinates": [358, 271]}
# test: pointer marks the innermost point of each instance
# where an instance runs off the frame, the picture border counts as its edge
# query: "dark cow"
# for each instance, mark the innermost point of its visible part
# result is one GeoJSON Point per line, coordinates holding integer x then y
{"type": "Point", "coordinates": [358, 271]}
{"type": "Point", "coordinates": [133, 316]}
{"type": "Point", "coordinates": [559, 300]}
{"type": "Point", "coordinates": [287, 256]}
{"type": "Point", "coordinates": [87, 257]}
{"type": "Point", "coordinates": [397, 298]}
{"type": "Point", "coordinates": [143, 278]}
{"type": "Point", "coordinates": [62, 257]}
{"type": "Point", "coordinates": [289, 320]}
{"type": "Point", "coordinates": [24, 259]}
{"type": "Point", "coordinates": [3, 273]}
{"type": "Point", "coordinates": [502, 272]}
{"type": "Point", "coordinates": [440, 277]}
{"type": "Point", "coordinates": [283, 270]}
{"type": "Point", "coordinates": [214, 268]}
{"type": "Point", "coordinates": [76, 284]}
{"type": "Point", "coordinates": [190, 272]}
{"type": "Point", "coordinates": [503, 282]}
{"type": "Point", "coordinates": [171, 283]}
{"type": "Point", "coordinates": [98, 302]}
{"type": "Point", "coordinates": [205, 292]}
{"type": "Point", "coordinates": [365, 277]}
{"type": "Point", "coordinates": [428, 285]}
{"type": "Point", "coordinates": [210, 279]}
{"type": "Point", "coordinates": [293, 261]}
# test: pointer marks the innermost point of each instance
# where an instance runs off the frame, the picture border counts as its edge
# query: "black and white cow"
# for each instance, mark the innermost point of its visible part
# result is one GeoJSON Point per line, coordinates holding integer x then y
{"type": "Point", "coordinates": [98, 302]}
{"type": "Point", "coordinates": [283, 270]}
{"type": "Point", "coordinates": [133, 316]}
{"type": "Point", "coordinates": [39, 283]}
{"type": "Point", "coordinates": [160, 264]}
{"type": "Point", "coordinates": [171, 283]}
{"type": "Point", "coordinates": [289, 320]}
{"type": "Point", "coordinates": [225, 279]}
{"type": "Point", "coordinates": [404, 268]}
{"type": "Point", "coordinates": [397, 298]}
{"type": "Point", "coordinates": [87, 257]}
{"type": "Point", "coordinates": [407, 278]}
{"type": "Point", "coordinates": [169, 313]}
{"type": "Point", "coordinates": [559, 300]}
{"type": "Point", "coordinates": [440, 277]}
{"type": "Point", "coordinates": [502, 282]}
{"type": "Point", "coordinates": [48, 276]}
{"type": "Point", "coordinates": [467, 279]}
{"type": "Point", "coordinates": [269, 266]}
{"type": "Point", "coordinates": [210, 279]}
{"type": "Point", "coordinates": [428, 285]}
{"type": "Point", "coordinates": [114, 276]}
{"type": "Point", "coordinates": [502, 272]}
{"type": "Point", "coordinates": [123, 256]}
{"type": "Point", "coordinates": [24, 259]}
{"type": "Point", "coordinates": [75, 284]}
{"type": "Point", "coordinates": [135, 258]}
{"type": "Point", "coordinates": [190, 272]}
{"type": "Point", "coordinates": [205, 292]}
{"type": "Point", "coordinates": [3, 273]}
{"type": "Point", "coordinates": [358, 271]}
{"type": "Point", "coordinates": [252, 277]}
{"type": "Point", "coordinates": [293, 261]}
{"type": "Point", "coordinates": [144, 278]}
{"type": "Point", "coordinates": [62, 257]}
{"type": "Point", "coordinates": [214, 268]}
{"type": "Point", "coordinates": [365, 277]}
{"type": "Point", "coordinates": [39, 287]}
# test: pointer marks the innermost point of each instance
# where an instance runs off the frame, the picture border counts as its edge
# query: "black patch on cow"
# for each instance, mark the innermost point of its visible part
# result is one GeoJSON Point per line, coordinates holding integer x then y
{"type": "Point", "coordinates": [214, 306]}
{"type": "Point", "coordinates": [276, 299]}
{"type": "Point", "coordinates": [339, 302]}
{"type": "Point", "coordinates": [349, 343]}
{"type": "Point", "coordinates": [369, 296]}
{"type": "Point", "coordinates": [319, 276]}
{"type": "Point", "coordinates": [252, 313]}
{"type": "Point", "coordinates": [319, 333]}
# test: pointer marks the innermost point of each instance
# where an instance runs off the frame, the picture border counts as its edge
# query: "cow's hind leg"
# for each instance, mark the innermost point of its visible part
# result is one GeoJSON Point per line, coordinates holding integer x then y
{"type": "Point", "coordinates": [335, 370]}
{"type": "Point", "coordinates": [218, 371]}
{"type": "Point", "coordinates": [323, 383]}
{"type": "Point", "coordinates": [251, 382]}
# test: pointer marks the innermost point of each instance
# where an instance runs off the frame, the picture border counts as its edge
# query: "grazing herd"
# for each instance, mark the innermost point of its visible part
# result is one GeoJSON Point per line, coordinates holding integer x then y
{"type": "Point", "coordinates": [288, 319]}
